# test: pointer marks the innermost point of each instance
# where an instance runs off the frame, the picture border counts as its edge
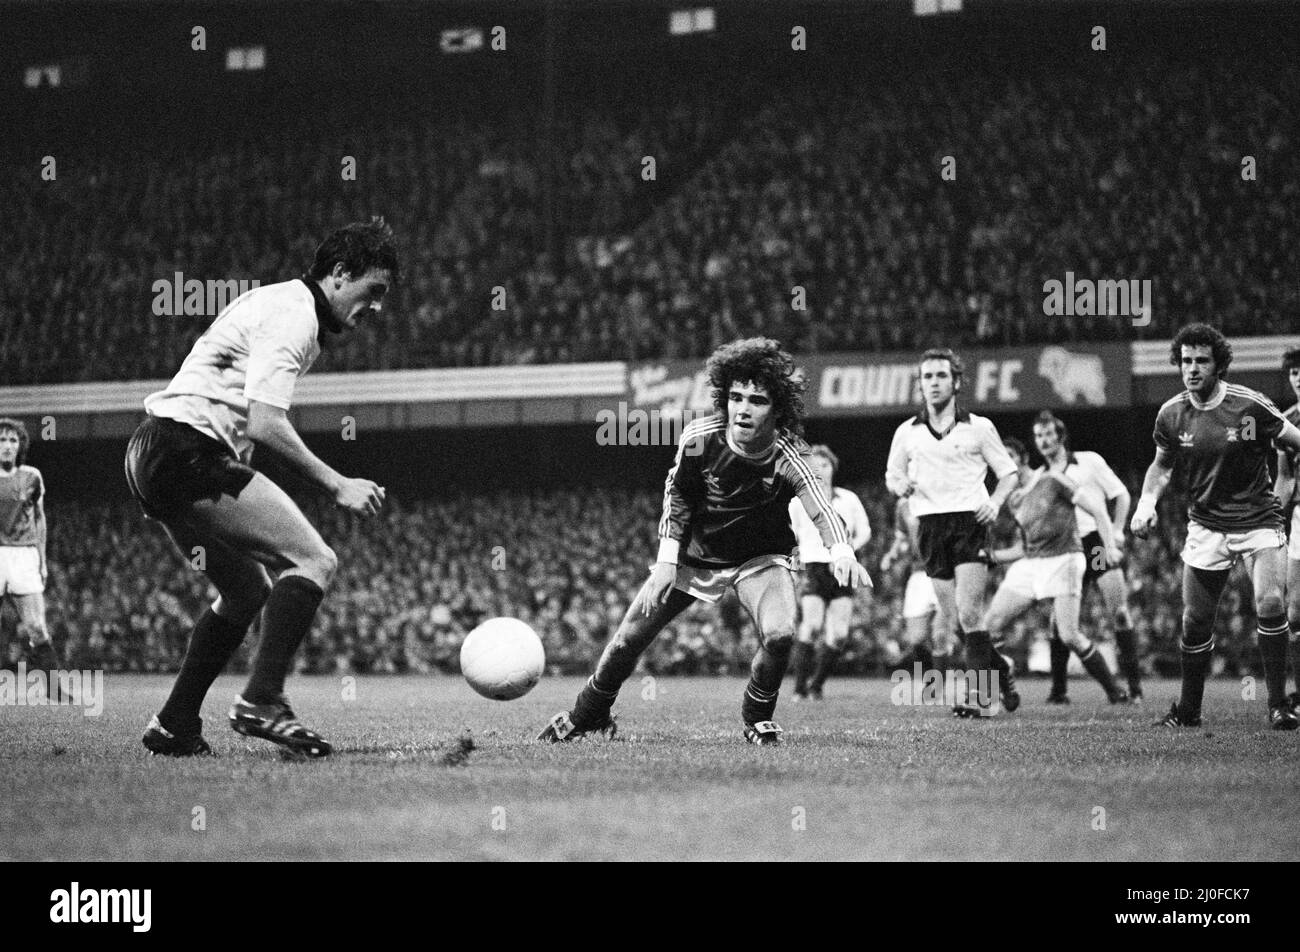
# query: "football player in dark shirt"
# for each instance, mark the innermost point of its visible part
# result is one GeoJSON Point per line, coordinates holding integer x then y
{"type": "Point", "coordinates": [23, 567]}
{"type": "Point", "coordinates": [1222, 434]}
{"type": "Point", "coordinates": [726, 523]}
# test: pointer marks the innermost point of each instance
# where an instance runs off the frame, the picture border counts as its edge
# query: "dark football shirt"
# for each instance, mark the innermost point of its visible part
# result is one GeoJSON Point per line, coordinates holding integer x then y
{"type": "Point", "coordinates": [1224, 448]}
{"type": "Point", "coordinates": [727, 508]}
{"type": "Point", "coordinates": [20, 490]}
{"type": "Point", "coordinates": [1045, 511]}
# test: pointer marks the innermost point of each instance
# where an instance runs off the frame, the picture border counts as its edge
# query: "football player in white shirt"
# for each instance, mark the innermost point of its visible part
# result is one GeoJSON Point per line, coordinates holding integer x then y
{"type": "Point", "coordinates": [188, 467]}
{"type": "Point", "coordinates": [826, 606]}
{"type": "Point", "coordinates": [938, 460]}
{"type": "Point", "coordinates": [1089, 471]}
{"type": "Point", "coordinates": [919, 603]}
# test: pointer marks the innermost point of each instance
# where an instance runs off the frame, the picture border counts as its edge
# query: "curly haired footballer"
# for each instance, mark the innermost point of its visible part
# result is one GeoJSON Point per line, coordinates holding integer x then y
{"type": "Point", "coordinates": [762, 362]}
{"type": "Point", "coordinates": [1202, 335]}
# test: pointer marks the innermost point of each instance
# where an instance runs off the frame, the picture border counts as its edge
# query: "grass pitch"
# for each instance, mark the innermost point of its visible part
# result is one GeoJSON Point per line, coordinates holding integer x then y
{"type": "Point", "coordinates": [857, 778]}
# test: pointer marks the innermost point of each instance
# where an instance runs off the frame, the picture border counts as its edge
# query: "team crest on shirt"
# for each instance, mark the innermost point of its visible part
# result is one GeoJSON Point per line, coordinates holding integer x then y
{"type": "Point", "coordinates": [1185, 440]}
{"type": "Point", "coordinates": [1232, 434]}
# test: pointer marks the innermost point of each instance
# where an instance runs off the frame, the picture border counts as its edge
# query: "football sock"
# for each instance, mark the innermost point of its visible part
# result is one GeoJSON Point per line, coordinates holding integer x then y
{"type": "Point", "coordinates": [43, 655]}
{"type": "Point", "coordinates": [592, 706]}
{"type": "Point", "coordinates": [757, 705]}
{"type": "Point", "coordinates": [286, 619]}
{"type": "Point", "coordinates": [1060, 653]}
{"type": "Point", "coordinates": [1196, 665]}
{"type": "Point", "coordinates": [924, 655]}
{"type": "Point", "coordinates": [1096, 666]}
{"type": "Point", "coordinates": [212, 642]}
{"type": "Point", "coordinates": [801, 664]}
{"type": "Point", "coordinates": [1295, 656]}
{"type": "Point", "coordinates": [826, 656]}
{"type": "Point", "coordinates": [1002, 665]}
{"type": "Point", "coordinates": [1126, 649]}
{"type": "Point", "coordinates": [979, 652]}
{"type": "Point", "coordinates": [1272, 649]}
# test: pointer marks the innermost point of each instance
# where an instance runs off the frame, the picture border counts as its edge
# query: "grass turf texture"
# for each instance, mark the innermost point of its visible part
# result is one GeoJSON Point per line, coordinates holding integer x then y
{"type": "Point", "coordinates": [856, 778]}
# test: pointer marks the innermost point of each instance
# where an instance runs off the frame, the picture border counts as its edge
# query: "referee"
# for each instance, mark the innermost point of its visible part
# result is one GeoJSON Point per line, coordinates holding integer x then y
{"type": "Point", "coordinates": [938, 460]}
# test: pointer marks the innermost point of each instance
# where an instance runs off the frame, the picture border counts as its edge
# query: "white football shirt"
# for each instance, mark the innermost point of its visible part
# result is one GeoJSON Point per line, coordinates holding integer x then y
{"type": "Point", "coordinates": [256, 349]}
{"type": "Point", "coordinates": [1087, 469]}
{"type": "Point", "coordinates": [948, 472]}
{"type": "Point", "coordinates": [849, 508]}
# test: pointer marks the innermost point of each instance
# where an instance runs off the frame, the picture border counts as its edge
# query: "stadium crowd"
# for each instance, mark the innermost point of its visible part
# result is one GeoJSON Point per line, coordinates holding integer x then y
{"type": "Point", "coordinates": [416, 579]}
{"type": "Point", "coordinates": [1131, 171]}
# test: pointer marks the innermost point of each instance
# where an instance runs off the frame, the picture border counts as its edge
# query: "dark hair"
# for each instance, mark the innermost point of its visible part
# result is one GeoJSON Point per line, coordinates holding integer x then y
{"type": "Point", "coordinates": [824, 451]}
{"type": "Point", "coordinates": [1048, 418]}
{"type": "Point", "coordinates": [1291, 358]}
{"type": "Point", "coordinates": [1017, 447]}
{"type": "Point", "coordinates": [762, 362]}
{"type": "Point", "coordinates": [24, 441]}
{"type": "Point", "coordinates": [360, 247]}
{"type": "Point", "coordinates": [1202, 335]}
{"type": "Point", "coordinates": [945, 353]}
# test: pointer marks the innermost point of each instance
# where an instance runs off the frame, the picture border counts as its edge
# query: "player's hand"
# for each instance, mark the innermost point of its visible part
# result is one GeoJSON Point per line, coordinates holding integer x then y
{"type": "Point", "coordinates": [887, 562]}
{"type": "Point", "coordinates": [657, 586]}
{"type": "Point", "coordinates": [1114, 555]}
{"type": "Point", "coordinates": [986, 514]}
{"type": "Point", "coordinates": [848, 571]}
{"type": "Point", "coordinates": [360, 496]}
{"type": "Point", "coordinates": [1142, 523]}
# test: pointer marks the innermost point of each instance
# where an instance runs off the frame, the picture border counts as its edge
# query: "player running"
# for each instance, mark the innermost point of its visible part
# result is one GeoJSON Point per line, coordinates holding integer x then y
{"type": "Point", "coordinates": [919, 602]}
{"type": "Point", "coordinates": [1221, 434]}
{"type": "Point", "coordinates": [1089, 471]}
{"type": "Point", "coordinates": [23, 569]}
{"type": "Point", "coordinates": [1049, 563]}
{"type": "Point", "coordinates": [938, 461]}
{"type": "Point", "coordinates": [188, 467]}
{"type": "Point", "coordinates": [726, 522]}
{"type": "Point", "coordinates": [1285, 489]}
{"type": "Point", "coordinates": [826, 606]}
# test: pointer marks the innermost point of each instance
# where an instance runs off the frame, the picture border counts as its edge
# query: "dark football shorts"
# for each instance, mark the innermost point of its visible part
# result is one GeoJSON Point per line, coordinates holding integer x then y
{"type": "Point", "coordinates": [1095, 564]}
{"type": "Point", "coordinates": [171, 465]}
{"type": "Point", "coordinates": [950, 539]}
{"type": "Point", "coordinates": [819, 581]}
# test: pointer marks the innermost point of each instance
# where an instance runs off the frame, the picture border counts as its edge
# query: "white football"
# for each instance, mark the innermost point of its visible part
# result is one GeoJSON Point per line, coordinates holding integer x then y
{"type": "Point", "coordinates": [502, 659]}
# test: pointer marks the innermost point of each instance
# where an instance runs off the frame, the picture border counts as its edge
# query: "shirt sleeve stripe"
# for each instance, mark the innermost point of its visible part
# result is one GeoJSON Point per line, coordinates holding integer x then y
{"type": "Point", "coordinates": [837, 527]}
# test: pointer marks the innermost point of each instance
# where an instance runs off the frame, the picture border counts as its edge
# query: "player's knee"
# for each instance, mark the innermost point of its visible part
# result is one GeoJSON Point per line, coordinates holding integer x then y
{"type": "Point", "coordinates": [1122, 618]}
{"type": "Point", "coordinates": [320, 565]}
{"type": "Point", "coordinates": [779, 640]}
{"type": "Point", "coordinates": [1269, 605]}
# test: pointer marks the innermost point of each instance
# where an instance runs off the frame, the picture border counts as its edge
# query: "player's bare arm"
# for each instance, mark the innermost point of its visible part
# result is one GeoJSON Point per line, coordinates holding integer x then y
{"type": "Point", "coordinates": [987, 513]}
{"type": "Point", "coordinates": [1284, 484]}
{"type": "Point", "coordinates": [269, 426]}
{"type": "Point", "coordinates": [1119, 519]}
{"type": "Point", "coordinates": [1094, 504]}
{"type": "Point", "coordinates": [41, 534]}
{"type": "Point", "coordinates": [1154, 483]}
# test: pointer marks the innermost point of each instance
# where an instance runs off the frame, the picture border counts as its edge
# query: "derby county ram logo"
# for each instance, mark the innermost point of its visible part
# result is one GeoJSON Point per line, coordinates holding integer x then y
{"type": "Point", "coordinates": [1074, 377]}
